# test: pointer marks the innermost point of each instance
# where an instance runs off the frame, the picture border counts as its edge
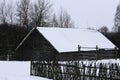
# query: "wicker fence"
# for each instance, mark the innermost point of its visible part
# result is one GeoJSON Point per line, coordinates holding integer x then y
{"type": "Point", "coordinates": [75, 70]}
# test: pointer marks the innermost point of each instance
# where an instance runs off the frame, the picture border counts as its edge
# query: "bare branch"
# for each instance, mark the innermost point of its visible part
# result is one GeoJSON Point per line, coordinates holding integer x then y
{"type": "Point", "coordinates": [41, 13]}
{"type": "Point", "coordinates": [63, 20]}
{"type": "Point", "coordinates": [23, 12]}
{"type": "Point", "coordinates": [3, 12]}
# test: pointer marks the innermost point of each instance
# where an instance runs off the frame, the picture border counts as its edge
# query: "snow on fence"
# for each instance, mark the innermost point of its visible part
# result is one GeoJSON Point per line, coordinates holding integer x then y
{"type": "Point", "coordinates": [76, 70]}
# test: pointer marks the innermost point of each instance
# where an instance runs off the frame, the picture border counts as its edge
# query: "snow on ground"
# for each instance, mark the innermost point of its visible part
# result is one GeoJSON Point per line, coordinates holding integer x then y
{"type": "Point", "coordinates": [21, 78]}
{"type": "Point", "coordinates": [16, 70]}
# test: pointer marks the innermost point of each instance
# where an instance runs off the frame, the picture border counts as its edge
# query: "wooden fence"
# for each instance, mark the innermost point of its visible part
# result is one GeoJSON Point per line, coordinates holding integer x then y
{"type": "Point", "coordinates": [75, 70]}
{"type": "Point", "coordinates": [89, 55]}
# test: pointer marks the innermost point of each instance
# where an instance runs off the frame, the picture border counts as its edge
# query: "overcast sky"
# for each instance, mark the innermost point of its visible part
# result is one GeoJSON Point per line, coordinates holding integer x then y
{"type": "Point", "coordinates": [88, 13]}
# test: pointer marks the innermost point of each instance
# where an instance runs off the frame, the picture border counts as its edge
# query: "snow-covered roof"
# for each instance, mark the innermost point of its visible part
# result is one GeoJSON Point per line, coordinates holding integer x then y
{"type": "Point", "coordinates": [68, 39]}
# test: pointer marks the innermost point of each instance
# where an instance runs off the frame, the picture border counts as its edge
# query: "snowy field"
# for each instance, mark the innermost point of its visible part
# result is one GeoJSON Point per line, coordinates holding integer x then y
{"type": "Point", "coordinates": [18, 70]}
{"type": "Point", "coordinates": [14, 70]}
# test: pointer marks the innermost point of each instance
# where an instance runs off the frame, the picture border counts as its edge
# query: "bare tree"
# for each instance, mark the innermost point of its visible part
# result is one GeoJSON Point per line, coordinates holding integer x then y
{"type": "Point", "coordinates": [68, 21]}
{"type": "Point", "coordinates": [117, 20]}
{"type": "Point", "coordinates": [54, 22]}
{"type": "Point", "coordinates": [63, 20]}
{"type": "Point", "coordinates": [41, 13]}
{"type": "Point", "coordinates": [91, 28]}
{"type": "Point", "coordinates": [3, 12]}
{"type": "Point", "coordinates": [11, 13]}
{"type": "Point", "coordinates": [103, 29]}
{"type": "Point", "coordinates": [23, 12]}
{"type": "Point", "coordinates": [7, 12]}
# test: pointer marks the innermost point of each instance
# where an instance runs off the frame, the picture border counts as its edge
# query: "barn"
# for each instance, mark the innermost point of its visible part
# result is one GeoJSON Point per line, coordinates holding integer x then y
{"type": "Point", "coordinates": [49, 43]}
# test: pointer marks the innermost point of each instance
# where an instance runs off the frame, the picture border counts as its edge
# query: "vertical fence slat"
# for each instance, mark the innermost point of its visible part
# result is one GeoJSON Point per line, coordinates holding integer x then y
{"type": "Point", "coordinates": [75, 71]}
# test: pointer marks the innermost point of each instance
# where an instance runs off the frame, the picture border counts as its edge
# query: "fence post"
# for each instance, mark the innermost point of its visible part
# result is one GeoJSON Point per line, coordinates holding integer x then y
{"type": "Point", "coordinates": [83, 72]}
{"type": "Point", "coordinates": [116, 53]}
{"type": "Point", "coordinates": [54, 70]}
{"type": "Point", "coordinates": [79, 53]}
{"type": "Point", "coordinates": [97, 51]}
{"type": "Point", "coordinates": [79, 47]}
{"type": "Point", "coordinates": [31, 67]}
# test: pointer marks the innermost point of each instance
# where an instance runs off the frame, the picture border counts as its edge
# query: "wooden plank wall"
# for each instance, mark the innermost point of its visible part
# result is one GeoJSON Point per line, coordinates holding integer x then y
{"type": "Point", "coordinates": [90, 55]}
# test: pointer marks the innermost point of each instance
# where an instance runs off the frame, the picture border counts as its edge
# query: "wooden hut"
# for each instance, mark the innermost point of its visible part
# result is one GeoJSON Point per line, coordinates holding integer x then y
{"type": "Point", "coordinates": [46, 43]}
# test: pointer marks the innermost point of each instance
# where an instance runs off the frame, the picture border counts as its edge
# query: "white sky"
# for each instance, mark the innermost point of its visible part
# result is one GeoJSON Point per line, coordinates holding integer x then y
{"type": "Point", "coordinates": [88, 13]}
